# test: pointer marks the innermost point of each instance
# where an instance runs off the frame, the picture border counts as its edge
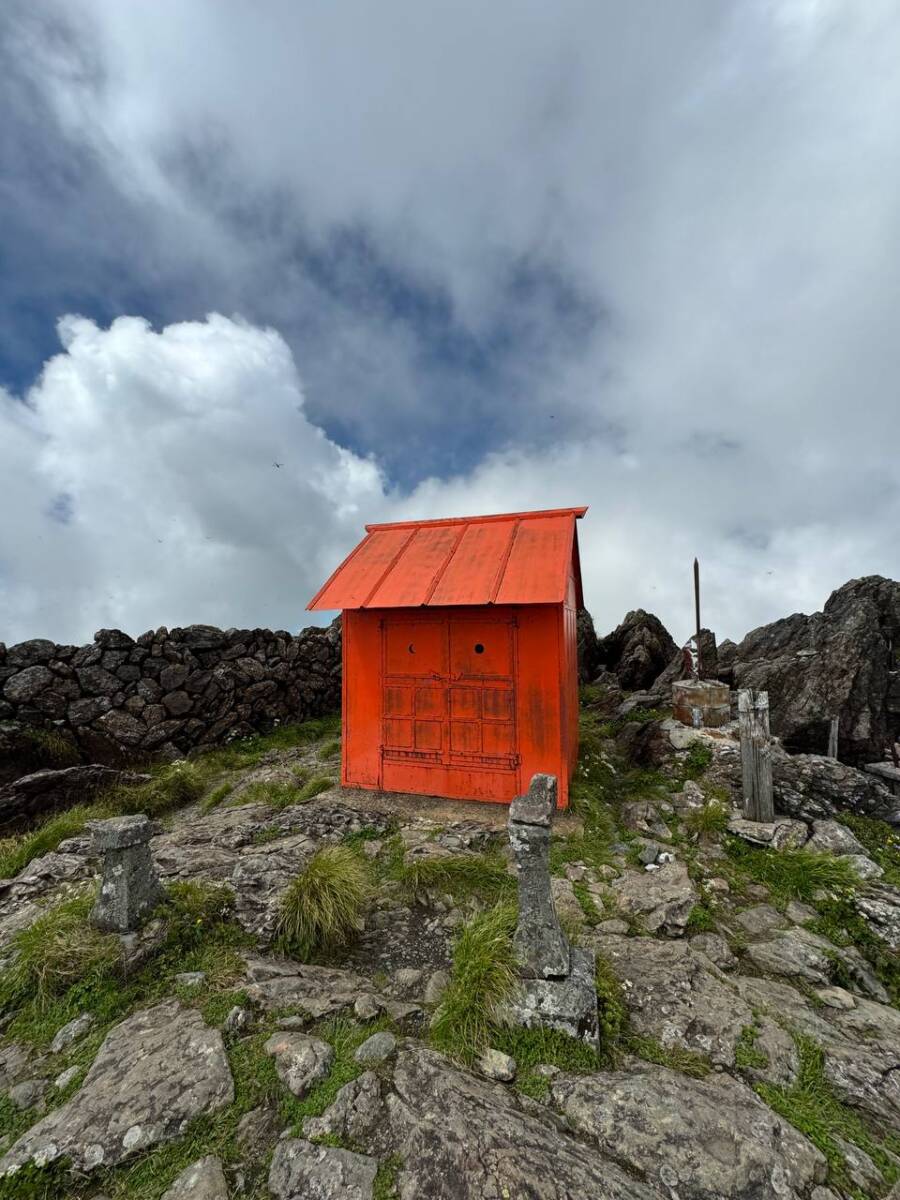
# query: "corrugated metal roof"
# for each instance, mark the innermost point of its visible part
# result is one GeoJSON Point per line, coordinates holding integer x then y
{"type": "Point", "coordinates": [510, 558]}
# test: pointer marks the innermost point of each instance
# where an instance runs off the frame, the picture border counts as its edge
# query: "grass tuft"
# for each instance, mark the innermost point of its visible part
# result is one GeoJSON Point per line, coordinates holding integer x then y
{"type": "Point", "coordinates": [330, 750]}
{"type": "Point", "coordinates": [707, 822]}
{"type": "Point", "coordinates": [747, 1055]}
{"type": "Point", "coordinates": [172, 786]}
{"type": "Point", "coordinates": [811, 1106]}
{"type": "Point", "coordinates": [59, 950]}
{"type": "Point", "coordinates": [695, 763]}
{"type": "Point", "coordinates": [676, 1058]}
{"type": "Point", "coordinates": [17, 852]}
{"type": "Point", "coordinates": [385, 1186]}
{"type": "Point", "coordinates": [50, 748]}
{"type": "Point", "coordinates": [880, 841]}
{"type": "Point", "coordinates": [323, 907]}
{"type": "Point", "coordinates": [462, 875]}
{"type": "Point", "coordinates": [792, 874]}
{"type": "Point", "coordinates": [314, 787]}
{"type": "Point", "coordinates": [483, 973]}
{"type": "Point", "coordinates": [216, 796]}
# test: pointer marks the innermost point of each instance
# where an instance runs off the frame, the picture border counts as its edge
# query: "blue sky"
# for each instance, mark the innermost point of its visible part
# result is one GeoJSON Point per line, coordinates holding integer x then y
{"type": "Point", "coordinates": [636, 257]}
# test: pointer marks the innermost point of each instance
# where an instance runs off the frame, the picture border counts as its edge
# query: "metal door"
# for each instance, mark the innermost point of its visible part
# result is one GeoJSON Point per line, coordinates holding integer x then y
{"type": "Point", "coordinates": [449, 692]}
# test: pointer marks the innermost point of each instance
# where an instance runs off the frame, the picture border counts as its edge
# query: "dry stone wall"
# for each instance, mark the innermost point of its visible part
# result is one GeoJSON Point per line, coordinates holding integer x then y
{"type": "Point", "coordinates": [169, 689]}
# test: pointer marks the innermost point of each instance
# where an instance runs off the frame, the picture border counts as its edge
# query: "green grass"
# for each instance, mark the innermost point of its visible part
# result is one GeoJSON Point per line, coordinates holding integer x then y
{"type": "Point", "coordinates": [839, 921]}
{"type": "Point", "coordinates": [695, 763]}
{"type": "Point", "coordinates": [593, 846]}
{"type": "Point", "coordinates": [792, 874]}
{"type": "Point", "coordinates": [64, 967]}
{"type": "Point", "coordinates": [483, 973]}
{"type": "Point", "coordinates": [266, 834]}
{"type": "Point", "coordinates": [811, 1106]}
{"type": "Point", "coordinates": [256, 1083]}
{"type": "Point", "coordinates": [880, 841]}
{"type": "Point", "coordinates": [707, 822]}
{"type": "Point", "coordinates": [346, 1038]}
{"type": "Point", "coordinates": [315, 787]}
{"type": "Point", "coordinates": [276, 795]}
{"type": "Point", "coordinates": [171, 787]}
{"type": "Point", "coordinates": [688, 1062]}
{"type": "Point", "coordinates": [531, 1047]}
{"type": "Point", "coordinates": [322, 908]}
{"type": "Point", "coordinates": [17, 852]}
{"type": "Point", "coordinates": [330, 750]}
{"type": "Point", "coordinates": [59, 950]}
{"type": "Point", "coordinates": [368, 833]}
{"type": "Point", "coordinates": [385, 1187]}
{"type": "Point", "coordinates": [249, 751]}
{"type": "Point", "coordinates": [747, 1055]}
{"type": "Point", "coordinates": [214, 798]}
{"type": "Point", "coordinates": [282, 794]}
{"type": "Point", "coordinates": [50, 748]}
{"type": "Point", "coordinates": [611, 1010]}
{"type": "Point", "coordinates": [588, 905]}
{"type": "Point", "coordinates": [461, 875]}
{"type": "Point", "coordinates": [701, 919]}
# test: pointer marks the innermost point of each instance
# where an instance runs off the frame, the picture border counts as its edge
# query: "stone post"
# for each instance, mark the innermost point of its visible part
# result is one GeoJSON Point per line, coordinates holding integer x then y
{"type": "Point", "coordinates": [540, 944]}
{"type": "Point", "coordinates": [129, 888]}
{"type": "Point", "coordinates": [556, 988]}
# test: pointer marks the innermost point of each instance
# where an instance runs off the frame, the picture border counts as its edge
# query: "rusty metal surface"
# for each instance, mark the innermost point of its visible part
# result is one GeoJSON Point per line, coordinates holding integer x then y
{"type": "Point", "coordinates": [510, 558]}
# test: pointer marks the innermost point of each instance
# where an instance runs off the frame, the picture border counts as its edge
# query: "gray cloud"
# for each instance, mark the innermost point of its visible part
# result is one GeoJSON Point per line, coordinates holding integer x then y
{"type": "Point", "coordinates": [637, 256]}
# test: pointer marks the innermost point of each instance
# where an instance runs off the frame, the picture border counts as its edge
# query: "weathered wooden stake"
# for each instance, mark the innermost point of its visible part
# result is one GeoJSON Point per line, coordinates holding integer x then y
{"type": "Point", "coordinates": [833, 737]}
{"type": "Point", "coordinates": [756, 757]}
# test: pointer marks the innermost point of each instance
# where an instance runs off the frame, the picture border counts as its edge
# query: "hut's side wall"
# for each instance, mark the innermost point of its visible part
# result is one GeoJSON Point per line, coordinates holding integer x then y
{"type": "Point", "coordinates": [361, 707]}
{"type": "Point", "coordinates": [539, 712]}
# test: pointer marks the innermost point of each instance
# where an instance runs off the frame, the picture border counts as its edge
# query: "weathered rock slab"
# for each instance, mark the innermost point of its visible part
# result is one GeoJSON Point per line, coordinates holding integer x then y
{"type": "Point", "coordinates": [662, 899]}
{"type": "Point", "coordinates": [303, 1169]}
{"type": "Point", "coordinates": [675, 995]}
{"type": "Point", "coordinates": [153, 1074]}
{"type": "Point", "coordinates": [202, 1180]}
{"type": "Point", "coordinates": [300, 1060]}
{"type": "Point", "coordinates": [464, 1138]}
{"type": "Point", "coordinates": [698, 1139]}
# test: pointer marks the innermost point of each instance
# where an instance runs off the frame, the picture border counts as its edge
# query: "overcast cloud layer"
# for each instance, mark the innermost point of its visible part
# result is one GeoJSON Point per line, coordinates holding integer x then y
{"type": "Point", "coordinates": [459, 258]}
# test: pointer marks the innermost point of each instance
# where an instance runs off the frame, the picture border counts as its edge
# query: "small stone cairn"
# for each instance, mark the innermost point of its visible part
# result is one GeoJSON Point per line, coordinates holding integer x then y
{"type": "Point", "coordinates": [557, 988]}
{"type": "Point", "coordinates": [130, 888]}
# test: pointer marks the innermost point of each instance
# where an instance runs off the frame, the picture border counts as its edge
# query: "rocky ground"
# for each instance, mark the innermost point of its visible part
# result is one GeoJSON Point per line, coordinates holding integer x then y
{"type": "Point", "coordinates": [748, 984]}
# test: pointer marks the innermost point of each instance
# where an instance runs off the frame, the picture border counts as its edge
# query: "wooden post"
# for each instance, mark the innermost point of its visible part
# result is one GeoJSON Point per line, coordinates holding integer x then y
{"type": "Point", "coordinates": [833, 737]}
{"type": "Point", "coordinates": [756, 759]}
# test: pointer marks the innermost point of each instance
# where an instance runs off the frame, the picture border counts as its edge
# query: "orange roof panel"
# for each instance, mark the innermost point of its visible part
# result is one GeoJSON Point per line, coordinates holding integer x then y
{"type": "Point", "coordinates": [412, 580]}
{"type": "Point", "coordinates": [474, 570]}
{"type": "Point", "coordinates": [538, 560]}
{"type": "Point", "coordinates": [509, 558]}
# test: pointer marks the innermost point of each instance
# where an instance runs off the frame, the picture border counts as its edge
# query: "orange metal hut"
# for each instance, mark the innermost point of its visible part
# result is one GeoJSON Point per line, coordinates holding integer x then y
{"type": "Point", "coordinates": [460, 674]}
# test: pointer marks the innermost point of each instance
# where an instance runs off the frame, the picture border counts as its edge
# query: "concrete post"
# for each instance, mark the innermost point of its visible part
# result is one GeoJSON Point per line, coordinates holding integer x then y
{"type": "Point", "coordinates": [129, 888]}
{"type": "Point", "coordinates": [540, 944]}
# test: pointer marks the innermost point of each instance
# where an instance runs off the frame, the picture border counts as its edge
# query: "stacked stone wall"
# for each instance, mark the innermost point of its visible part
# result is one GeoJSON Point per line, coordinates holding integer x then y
{"type": "Point", "coordinates": [169, 689]}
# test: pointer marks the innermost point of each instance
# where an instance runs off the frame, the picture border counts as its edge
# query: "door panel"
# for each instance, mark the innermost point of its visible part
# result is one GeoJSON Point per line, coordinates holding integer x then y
{"type": "Point", "coordinates": [497, 704]}
{"type": "Point", "coordinates": [429, 735]}
{"type": "Point", "coordinates": [431, 702]}
{"type": "Point", "coordinates": [415, 648]}
{"type": "Point", "coordinates": [398, 701]}
{"type": "Point", "coordinates": [398, 734]}
{"type": "Point", "coordinates": [480, 648]}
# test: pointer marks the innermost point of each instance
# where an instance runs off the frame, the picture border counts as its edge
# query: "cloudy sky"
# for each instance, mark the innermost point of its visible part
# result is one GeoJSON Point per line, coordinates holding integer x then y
{"type": "Point", "coordinates": [437, 259]}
